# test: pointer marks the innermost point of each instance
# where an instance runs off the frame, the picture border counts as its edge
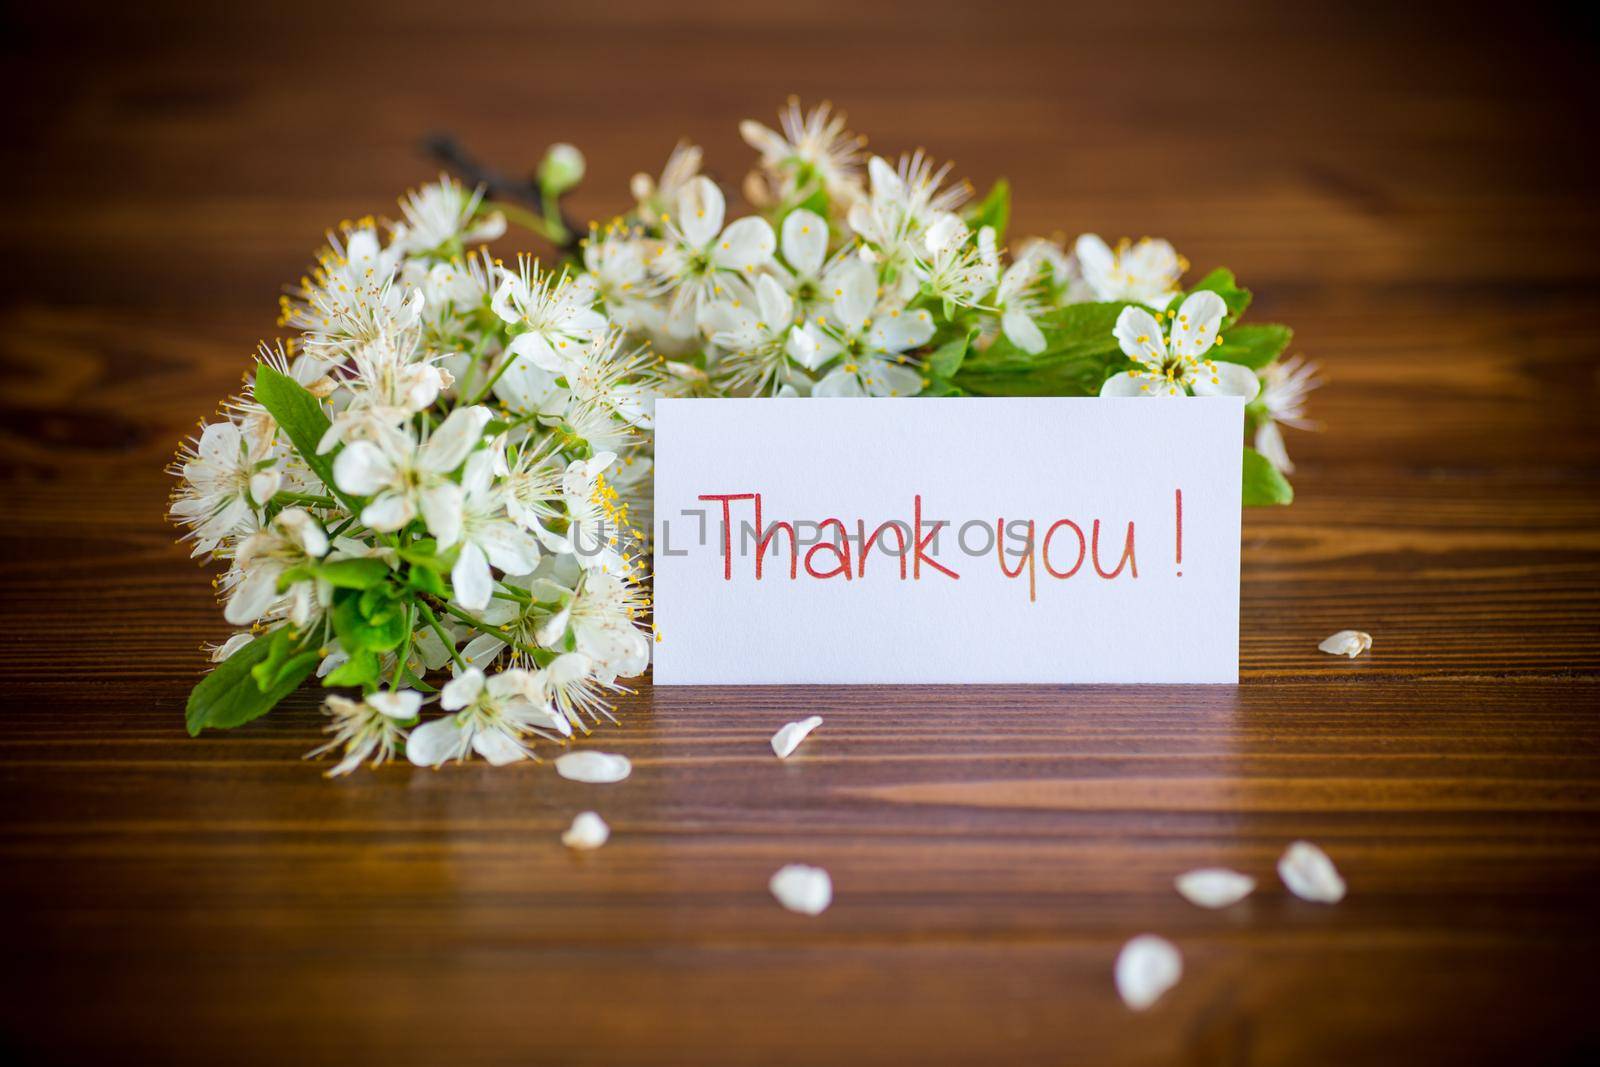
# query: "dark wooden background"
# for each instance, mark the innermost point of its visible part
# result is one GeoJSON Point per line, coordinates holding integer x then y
{"type": "Point", "coordinates": [1412, 190]}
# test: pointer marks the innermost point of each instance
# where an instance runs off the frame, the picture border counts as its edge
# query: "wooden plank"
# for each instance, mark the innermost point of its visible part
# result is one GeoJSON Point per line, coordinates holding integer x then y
{"type": "Point", "coordinates": [1404, 187]}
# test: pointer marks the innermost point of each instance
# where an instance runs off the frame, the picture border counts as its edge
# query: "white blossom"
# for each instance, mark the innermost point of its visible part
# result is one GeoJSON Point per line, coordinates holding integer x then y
{"type": "Point", "coordinates": [654, 198]}
{"type": "Point", "coordinates": [443, 215]}
{"type": "Point", "coordinates": [491, 716]}
{"type": "Point", "coordinates": [1145, 273]}
{"type": "Point", "coordinates": [489, 535]}
{"type": "Point", "coordinates": [373, 728]}
{"type": "Point", "coordinates": [226, 473]}
{"type": "Point", "coordinates": [552, 317]}
{"type": "Point", "coordinates": [759, 337]}
{"type": "Point", "coordinates": [869, 340]}
{"type": "Point", "coordinates": [264, 575]}
{"type": "Point", "coordinates": [406, 478]}
{"type": "Point", "coordinates": [1175, 365]}
{"type": "Point", "coordinates": [696, 254]}
{"type": "Point", "coordinates": [1284, 388]}
{"type": "Point", "coordinates": [812, 152]}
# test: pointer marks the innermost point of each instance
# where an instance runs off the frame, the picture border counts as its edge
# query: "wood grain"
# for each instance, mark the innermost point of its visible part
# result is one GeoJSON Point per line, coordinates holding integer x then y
{"type": "Point", "coordinates": [1404, 187]}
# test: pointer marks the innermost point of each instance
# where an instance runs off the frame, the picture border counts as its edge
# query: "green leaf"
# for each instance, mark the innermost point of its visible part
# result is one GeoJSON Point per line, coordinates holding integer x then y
{"type": "Point", "coordinates": [354, 573]}
{"type": "Point", "coordinates": [424, 578]}
{"type": "Point", "coordinates": [422, 550]}
{"type": "Point", "coordinates": [288, 578]}
{"type": "Point", "coordinates": [300, 416]}
{"type": "Point", "coordinates": [1221, 282]}
{"type": "Point", "coordinates": [365, 621]}
{"type": "Point", "coordinates": [360, 669]}
{"type": "Point", "coordinates": [1253, 345]}
{"type": "Point", "coordinates": [229, 696]}
{"type": "Point", "coordinates": [947, 358]}
{"type": "Point", "coordinates": [1079, 352]}
{"type": "Point", "coordinates": [1263, 484]}
{"type": "Point", "coordinates": [995, 210]}
{"type": "Point", "coordinates": [283, 655]}
{"type": "Point", "coordinates": [941, 387]}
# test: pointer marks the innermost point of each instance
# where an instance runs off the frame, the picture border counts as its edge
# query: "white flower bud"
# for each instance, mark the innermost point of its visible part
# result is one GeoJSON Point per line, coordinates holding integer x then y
{"type": "Point", "coordinates": [561, 169]}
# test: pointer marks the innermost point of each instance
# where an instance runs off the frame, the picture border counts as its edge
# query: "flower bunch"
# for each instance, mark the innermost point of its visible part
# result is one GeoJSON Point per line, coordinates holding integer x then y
{"type": "Point", "coordinates": [436, 491]}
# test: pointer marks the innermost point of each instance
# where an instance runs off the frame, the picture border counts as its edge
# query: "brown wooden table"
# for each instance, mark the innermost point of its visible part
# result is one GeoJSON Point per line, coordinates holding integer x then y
{"type": "Point", "coordinates": [1409, 189]}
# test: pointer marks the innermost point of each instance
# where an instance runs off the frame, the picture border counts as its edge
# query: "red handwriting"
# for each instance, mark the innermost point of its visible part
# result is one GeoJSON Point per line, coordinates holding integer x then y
{"type": "Point", "coordinates": [838, 555]}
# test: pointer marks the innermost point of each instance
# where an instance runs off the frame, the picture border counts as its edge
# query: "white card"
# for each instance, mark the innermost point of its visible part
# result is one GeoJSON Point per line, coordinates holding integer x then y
{"type": "Point", "coordinates": [1165, 473]}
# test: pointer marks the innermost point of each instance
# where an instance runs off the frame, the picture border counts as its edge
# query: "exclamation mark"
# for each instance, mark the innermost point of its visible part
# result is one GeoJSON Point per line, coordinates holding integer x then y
{"type": "Point", "coordinates": [1177, 497]}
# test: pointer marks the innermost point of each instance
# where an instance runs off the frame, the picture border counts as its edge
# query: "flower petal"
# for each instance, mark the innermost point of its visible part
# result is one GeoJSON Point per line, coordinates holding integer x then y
{"type": "Point", "coordinates": [802, 889]}
{"type": "Point", "coordinates": [1194, 330]}
{"type": "Point", "coordinates": [461, 690]}
{"type": "Point", "coordinates": [456, 436]}
{"type": "Point", "coordinates": [805, 241]}
{"type": "Point", "coordinates": [304, 531]}
{"type": "Point", "coordinates": [264, 485]}
{"type": "Point", "coordinates": [855, 291]}
{"type": "Point", "coordinates": [594, 767]}
{"type": "Point", "coordinates": [1346, 643]}
{"type": "Point", "coordinates": [786, 740]}
{"type": "Point", "coordinates": [470, 578]}
{"type": "Point", "coordinates": [1146, 968]}
{"type": "Point", "coordinates": [1127, 384]}
{"type": "Point", "coordinates": [535, 348]}
{"type": "Point", "coordinates": [1269, 442]}
{"type": "Point", "coordinates": [396, 703]}
{"type": "Point", "coordinates": [1225, 379]}
{"type": "Point", "coordinates": [901, 332]}
{"type": "Point", "coordinates": [803, 348]}
{"type": "Point", "coordinates": [1139, 334]}
{"type": "Point", "coordinates": [362, 468]}
{"type": "Point", "coordinates": [1310, 874]}
{"type": "Point", "coordinates": [777, 310]}
{"type": "Point", "coordinates": [509, 547]}
{"type": "Point", "coordinates": [498, 747]}
{"type": "Point", "coordinates": [432, 743]}
{"type": "Point", "coordinates": [1214, 887]}
{"type": "Point", "coordinates": [745, 245]}
{"type": "Point", "coordinates": [1022, 331]}
{"type": "Point", "coordinates": [700, 211]}
{"type": "Point", "coordinates": [252, 597]}
{"type": "Point", "coordinates": [839, 383]}
{"type": "Point", "coordinates": [441, 511]}
{"type": "Point", "coordinates": [883, 378]}
{"type": "Point", "coordinates": [388, 512]}
{"type": "Point", "coordinates": [1095, 257]}
{"type": "Point", "coordinates": [587, 832]}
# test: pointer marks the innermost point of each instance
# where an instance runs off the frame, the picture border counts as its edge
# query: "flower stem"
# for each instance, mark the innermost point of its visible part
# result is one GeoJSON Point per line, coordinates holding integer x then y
{"type": "Point", "coordinates": [308, 498]}
{"type": "Point", "coordinates": [433, 621]}
{"type": "Point", "coordinates": [499, 633]}
{"type": "Point", "coordinates": [405, 649]}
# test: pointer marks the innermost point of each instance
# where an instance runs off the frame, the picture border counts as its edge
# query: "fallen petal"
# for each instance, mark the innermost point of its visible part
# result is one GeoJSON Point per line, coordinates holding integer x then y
{"type": "Point", "coordinates": [1147, 967]}
{"type": "Point", "coordinates": [1214, 887]}
{"type": "Point", "coordinates": [1347, 643]}
{"type": "Point", "coordinates": [593, 767]}
{"type": "Point", "coordinates": [1310, 874]}
{"type": "Point", "coordinates": [807, 890]}
{"type": "Point", "coordinates": [587, 832]}
{"type": "Point", "coordinates": [788, 739]}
